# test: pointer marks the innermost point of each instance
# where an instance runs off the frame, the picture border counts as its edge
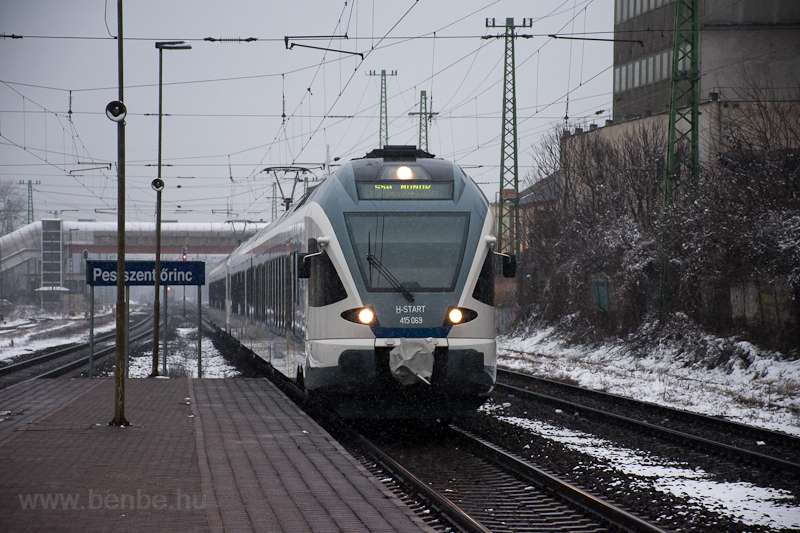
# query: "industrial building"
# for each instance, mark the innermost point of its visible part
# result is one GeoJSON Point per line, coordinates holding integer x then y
{"type": "Point", "coordinates": [742, 44]}
{"type": "Point", "coordinates": [43, 263]}
{"type": "Point", "coordinates": [748, 108]}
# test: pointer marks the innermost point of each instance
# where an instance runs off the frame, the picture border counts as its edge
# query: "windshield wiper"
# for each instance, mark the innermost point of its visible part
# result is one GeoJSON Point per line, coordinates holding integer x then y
{"type": "Point", "coordinates": [375, 262]}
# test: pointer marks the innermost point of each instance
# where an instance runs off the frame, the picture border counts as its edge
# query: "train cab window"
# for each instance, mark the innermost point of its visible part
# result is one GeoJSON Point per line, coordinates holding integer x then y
{"type": "Point", "coordinates": [415, 251]}
{"type": "Point", "coordinates": [484, 287]}
{"type": "Point", "coordinates": [324, 285]}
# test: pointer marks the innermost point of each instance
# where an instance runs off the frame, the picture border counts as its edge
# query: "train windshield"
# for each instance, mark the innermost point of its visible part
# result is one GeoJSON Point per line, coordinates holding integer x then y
{"type": "Point", "coordinates": [400, 252]}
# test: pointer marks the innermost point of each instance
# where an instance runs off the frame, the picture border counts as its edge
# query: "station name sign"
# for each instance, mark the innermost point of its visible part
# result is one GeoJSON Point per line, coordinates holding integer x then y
{"type": "Point", "coordinates": [142, 273]}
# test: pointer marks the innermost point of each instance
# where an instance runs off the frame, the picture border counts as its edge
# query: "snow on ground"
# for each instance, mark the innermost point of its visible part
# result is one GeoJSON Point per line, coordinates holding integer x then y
{"type": "Point", "coordinates": [182, 359]}
{"type": "Point", "coordinates": [763, 392]}
{"type": "Point", "coordinates": [28, 336]}
{"type": "Point", "coordinates": [747, 503]}
{"type": "Point", "coordinates": [754, 387]}
{"type": "Point", "coordinates": [757, 389]}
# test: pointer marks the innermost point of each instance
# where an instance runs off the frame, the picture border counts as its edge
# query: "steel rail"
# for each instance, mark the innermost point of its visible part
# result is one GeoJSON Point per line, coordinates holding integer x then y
{"type": "Point", "coordinates": [686, 438]}
{"type": "Point", "coordinates": [60, 371]}
{"type": "Point", "coordinates": [763, 434]}
{"type": "Point", "coordinates": [609, 512]}
{"type": "Point", "coordinates": [436, 501]}
{"type": "Point", "coordinates": [434, 498]}
{"type": "Point", "coordinates": [333, 424]}
{"type": "Point", "coordinates": [16, 367]}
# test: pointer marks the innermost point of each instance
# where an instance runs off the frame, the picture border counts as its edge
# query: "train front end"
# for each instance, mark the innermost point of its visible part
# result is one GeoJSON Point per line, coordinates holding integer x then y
{"type": "Point", "coordinates": [413, 335]}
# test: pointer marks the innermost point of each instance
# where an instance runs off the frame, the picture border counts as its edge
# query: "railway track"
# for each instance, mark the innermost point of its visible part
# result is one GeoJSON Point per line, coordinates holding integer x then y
{"type": "Point", "coordinates": [488, 483]}
{"type": "Point", "coordinates": [464, 483]}
{"type": "Point", "coordinates": [481, 487]}
{"type": "Point", "coordinates": [67, 359]}
{"type": "Point", "coordinates": [740, 442]}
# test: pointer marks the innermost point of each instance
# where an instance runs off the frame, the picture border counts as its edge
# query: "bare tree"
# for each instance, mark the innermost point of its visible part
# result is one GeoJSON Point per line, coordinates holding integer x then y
{"type": "Point", "coordinates": [595, 216]}
{"type": "Point", "coordinates": [12, 207]}
{"type": "Point", "coordinates": [600, 226]}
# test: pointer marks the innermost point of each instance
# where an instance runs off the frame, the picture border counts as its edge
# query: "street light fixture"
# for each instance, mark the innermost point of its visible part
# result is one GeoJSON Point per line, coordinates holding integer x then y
{"type": "Point", "coordinates": [158, 186]}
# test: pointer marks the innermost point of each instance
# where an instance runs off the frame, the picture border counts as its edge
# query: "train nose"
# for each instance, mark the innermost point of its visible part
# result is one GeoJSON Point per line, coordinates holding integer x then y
{"type": "Point", "coordinates": [411, 361]}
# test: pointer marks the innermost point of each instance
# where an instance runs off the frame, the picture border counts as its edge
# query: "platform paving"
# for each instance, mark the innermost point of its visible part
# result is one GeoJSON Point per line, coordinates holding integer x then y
{"type": "Point", "coordinates": [200, 455]}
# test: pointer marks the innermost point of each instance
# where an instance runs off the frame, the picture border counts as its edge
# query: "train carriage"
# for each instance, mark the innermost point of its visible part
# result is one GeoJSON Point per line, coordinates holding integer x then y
{"type": "Point", "coordinates": [375, 291]}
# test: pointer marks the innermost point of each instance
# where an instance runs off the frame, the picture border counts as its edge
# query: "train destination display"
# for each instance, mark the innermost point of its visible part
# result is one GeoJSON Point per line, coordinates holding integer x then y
{"type": "Point", "coordinates": [430, 190]}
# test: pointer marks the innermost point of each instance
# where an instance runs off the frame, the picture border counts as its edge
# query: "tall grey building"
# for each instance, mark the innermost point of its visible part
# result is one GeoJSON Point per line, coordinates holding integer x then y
{"type": "Point", "coordinates": [742, 44]}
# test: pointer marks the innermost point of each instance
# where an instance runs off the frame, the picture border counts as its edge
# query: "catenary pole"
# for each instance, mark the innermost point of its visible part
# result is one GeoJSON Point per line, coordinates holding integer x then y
{"type": "Point", "coordinates": [508, 223]}
{"type": "Point", "coordinates": [683, 135]}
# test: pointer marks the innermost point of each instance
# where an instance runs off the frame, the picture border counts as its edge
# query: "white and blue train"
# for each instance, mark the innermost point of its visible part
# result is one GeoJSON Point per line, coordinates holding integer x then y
{"type": "Point", "coordinates": [375, 291]}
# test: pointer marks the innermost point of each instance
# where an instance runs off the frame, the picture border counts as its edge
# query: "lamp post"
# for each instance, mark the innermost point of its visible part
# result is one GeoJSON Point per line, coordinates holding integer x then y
{"type": "Point", "coordinates": [158, 186]}
{"type": "Point", "coordinates": [116, 112]}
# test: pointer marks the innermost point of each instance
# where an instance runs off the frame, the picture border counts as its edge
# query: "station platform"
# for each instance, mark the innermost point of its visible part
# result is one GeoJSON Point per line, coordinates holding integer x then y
{"type": "Point", "coordinates": [213, 455]}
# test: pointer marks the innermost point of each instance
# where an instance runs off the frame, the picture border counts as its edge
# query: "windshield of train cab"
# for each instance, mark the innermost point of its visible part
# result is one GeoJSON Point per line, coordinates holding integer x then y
{"type": "Point", "coordinates": [418, 251]}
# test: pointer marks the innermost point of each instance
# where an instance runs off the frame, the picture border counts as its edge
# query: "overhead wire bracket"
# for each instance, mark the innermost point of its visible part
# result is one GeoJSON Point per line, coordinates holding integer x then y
{"type": "Point", "coordinates": [552, 36]}
{"type": "Point", "coordinates": [287, 200]}
{"type": "Point", "coordinates": [290, 46]}
{"type": "Point", "coordinates": [287, 38]}
{"type": "Point", "coordinates": [104, 167]}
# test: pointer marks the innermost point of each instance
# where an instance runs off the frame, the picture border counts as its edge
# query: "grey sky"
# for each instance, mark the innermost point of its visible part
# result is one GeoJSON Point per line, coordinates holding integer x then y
{"type": "Point", "coordinates": [226, 99]}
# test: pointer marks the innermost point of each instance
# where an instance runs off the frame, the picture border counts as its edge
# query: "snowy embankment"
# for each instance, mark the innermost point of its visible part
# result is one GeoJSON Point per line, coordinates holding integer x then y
{"type": "Point", "coordinates": [718, 377]}
{"type": "Point", "coordinates": [22, 336]}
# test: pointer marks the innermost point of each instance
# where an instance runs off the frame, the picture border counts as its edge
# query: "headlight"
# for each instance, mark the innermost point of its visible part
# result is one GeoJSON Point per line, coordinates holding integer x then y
{"type": "Point", "coordinates": [362, 315]}
{"type": "Point", "coordinates": [365, 316]}
{"type": "Point", "coordinates": [459, 315]}
{"type": "Point", "coordinates": [404, 173]}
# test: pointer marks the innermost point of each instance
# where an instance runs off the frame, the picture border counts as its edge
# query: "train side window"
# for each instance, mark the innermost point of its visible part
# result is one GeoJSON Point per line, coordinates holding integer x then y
{"type": "Point", "coordinates": [273, 294]}
{"type": "Point", "coordinates": [282, 289]}
{"type": "Point", "coordinates": [324, 285]}
{"type": "Point", "coordinates": [264, 291]}
{"type": "Point", "coordinates": [248, 291]}
{"type": "Point", "coordinates": [257, 292]}
{"type": "Point", "coordinates": [484, 287]}
{"type": "Point", "coordinates": [237, 293]}
{"type": "Point", "coordinates": [242, 287]}
{"type": "Point", "coordinates": [270, 292]}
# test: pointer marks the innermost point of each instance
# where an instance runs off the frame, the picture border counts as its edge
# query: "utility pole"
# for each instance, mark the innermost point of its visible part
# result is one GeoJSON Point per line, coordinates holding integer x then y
{"type": "Point", "coordinates": [119, 369]}
{"type": "Point", "coordinates": [508, 203]}
{"type": "Point", "coordinates": [32, 266]}
{"type": "Point", "coordinates": [384, 125]}
{"type": "Point", "coordinates": [683, 121]}
{"type": "Point", "coordinates": [274, 202]}
{"type": "Point", "coordinates": [8, 227]}
{"type": "Point", "coordinates": [183, 256]}
{"type": "Point", "coordinates": [158, 186]}
{"type": "Point", "coordinates": [30, 201]}
{"type": "Point", "coordinates": [424, 118]}
{"type": "Point", "coordinates": [70, 267]}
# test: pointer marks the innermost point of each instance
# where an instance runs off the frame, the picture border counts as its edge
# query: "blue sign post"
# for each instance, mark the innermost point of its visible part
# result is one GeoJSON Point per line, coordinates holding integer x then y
{"type": "Point", "coordinates": [143, 274]}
